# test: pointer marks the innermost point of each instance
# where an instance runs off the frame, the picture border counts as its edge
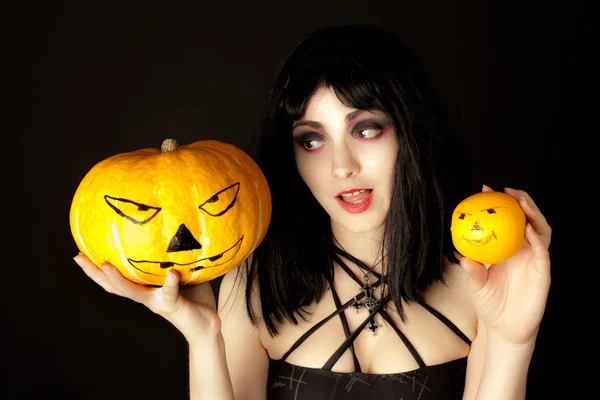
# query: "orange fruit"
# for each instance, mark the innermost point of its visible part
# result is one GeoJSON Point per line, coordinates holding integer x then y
{"type": "Point", "coordinates": [488, 227]}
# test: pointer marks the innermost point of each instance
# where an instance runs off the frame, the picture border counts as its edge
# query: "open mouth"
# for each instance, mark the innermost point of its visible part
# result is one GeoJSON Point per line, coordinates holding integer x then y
{"type": "Point", "coordinates": [203, 263]}
{"type": "Point", "coordinates": [480, 240]}
{"type": "Point", "coordinates": [355, 197]}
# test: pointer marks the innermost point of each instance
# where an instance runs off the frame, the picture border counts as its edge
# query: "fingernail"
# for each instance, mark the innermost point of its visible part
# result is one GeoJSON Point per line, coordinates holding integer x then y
{"type": "Point", "coordinates": [509, 190]}
{"type": "Point", "coordinates": [171, 275]}
{"type": "Point", "coordinates": [484, 187]}
{"type": "Point", "coordinates": [77, 259]}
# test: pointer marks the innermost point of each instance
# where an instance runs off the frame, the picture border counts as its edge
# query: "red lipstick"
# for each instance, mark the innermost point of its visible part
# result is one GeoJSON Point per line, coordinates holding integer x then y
{"type": "Point", "coordinates": [361, 201]}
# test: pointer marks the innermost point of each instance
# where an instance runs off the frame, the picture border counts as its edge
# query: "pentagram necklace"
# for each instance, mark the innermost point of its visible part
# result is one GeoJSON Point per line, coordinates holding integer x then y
{"type": "Point", "coordinates": [369, 302]}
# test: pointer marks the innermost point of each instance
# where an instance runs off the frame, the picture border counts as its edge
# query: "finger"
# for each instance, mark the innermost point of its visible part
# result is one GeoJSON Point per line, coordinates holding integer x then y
{"type": "Point", "coordinates": [533, 213]}
{"type": "Point", "coordinates": [126, 287]}
{"type": "Point", "coordinates": [538, 247]}
{"type": "Point", "coordinates": [170, 289]}
{"type": "Point", "coordinates": [477, 272]}
{"type": "Point", "coordinates": [95, 273]}
{"type": "Point", "coordinates": [486, 188]}
{"type": "Point", "coordinates": [517, 194]}
{"type": "Point", "coordinates": [537, 220]}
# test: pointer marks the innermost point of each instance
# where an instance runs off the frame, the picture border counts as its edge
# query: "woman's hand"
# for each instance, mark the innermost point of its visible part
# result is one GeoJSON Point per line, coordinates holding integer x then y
{"type": "Point", "coordinates": [510, 297]}
{"type": "Point", "coordinates": [191, 309]}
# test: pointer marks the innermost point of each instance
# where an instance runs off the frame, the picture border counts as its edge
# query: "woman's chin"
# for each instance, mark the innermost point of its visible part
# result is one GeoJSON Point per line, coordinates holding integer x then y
{"type": "Point", "coordinates": [374, 226]}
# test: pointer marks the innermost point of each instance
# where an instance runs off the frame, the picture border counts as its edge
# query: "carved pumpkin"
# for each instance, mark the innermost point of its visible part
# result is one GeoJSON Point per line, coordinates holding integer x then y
{"type": "Point", "coordinates": [200, 209]}
{"type": "Point", "coordinates": [488, 227]}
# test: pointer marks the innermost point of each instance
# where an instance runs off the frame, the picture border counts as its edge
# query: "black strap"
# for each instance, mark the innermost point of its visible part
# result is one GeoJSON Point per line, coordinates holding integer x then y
{"type": "Point", "coordinates": [350, 340]}
{"type": "Point", "coordinates": [382, 312]}
{"type": "Point", "coordinates": [338, 304]}
{"type": "Point", "coordinates": [407, 343]}
{"type": "Point", "coordinates": [350, 337]}
{"type": "Point", "coordinates": [446, 321]}
{"type": "Point", "coordinates": [338, 251]}
{"type": "Point", "coordinates": [306, 334]}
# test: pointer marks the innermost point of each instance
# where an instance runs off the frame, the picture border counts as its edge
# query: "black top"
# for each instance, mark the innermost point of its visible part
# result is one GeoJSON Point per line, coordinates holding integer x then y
{"type": "Point", "coordinates": [442, 381]}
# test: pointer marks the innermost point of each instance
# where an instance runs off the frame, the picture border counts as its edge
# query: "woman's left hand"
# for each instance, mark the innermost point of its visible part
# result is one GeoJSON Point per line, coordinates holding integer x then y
{"type": "Point", "coordinates": [510, 297]}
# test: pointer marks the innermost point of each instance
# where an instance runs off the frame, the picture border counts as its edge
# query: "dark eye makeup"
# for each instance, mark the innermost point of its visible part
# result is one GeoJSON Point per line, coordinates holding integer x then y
{"type": "Point", "coordinates": [305, 139]}
{"type": "Point", "coordinates": [311, 140]}
{"type": "Point", "coordinates": [369, 125]}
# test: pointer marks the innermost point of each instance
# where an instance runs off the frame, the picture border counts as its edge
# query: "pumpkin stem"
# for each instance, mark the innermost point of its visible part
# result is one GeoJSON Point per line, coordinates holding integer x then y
{"type": "Point", "coordinates": [168, 145]}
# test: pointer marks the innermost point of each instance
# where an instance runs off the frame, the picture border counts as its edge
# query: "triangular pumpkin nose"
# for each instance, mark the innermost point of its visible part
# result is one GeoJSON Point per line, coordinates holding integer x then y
{"type": "Point", "coordinates": [183, 240]}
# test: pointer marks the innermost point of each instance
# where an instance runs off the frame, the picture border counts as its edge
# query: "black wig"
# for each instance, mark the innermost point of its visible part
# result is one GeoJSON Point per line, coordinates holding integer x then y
{"type": "Point", "coordinates": [368, 68]}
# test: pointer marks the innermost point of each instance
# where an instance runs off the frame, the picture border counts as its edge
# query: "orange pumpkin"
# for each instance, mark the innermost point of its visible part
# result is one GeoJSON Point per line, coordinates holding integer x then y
{"type": "Point", "coordinates": [200, 209]}
{"type": "Point", "coordinates": [488, 227]}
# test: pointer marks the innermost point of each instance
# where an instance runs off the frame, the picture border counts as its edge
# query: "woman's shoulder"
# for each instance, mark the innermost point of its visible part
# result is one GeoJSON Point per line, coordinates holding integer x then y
{"type": "Point", "coordinates": [452, 298]}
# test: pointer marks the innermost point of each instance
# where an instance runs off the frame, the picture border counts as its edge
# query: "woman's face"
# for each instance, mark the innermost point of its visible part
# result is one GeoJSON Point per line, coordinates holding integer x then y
{"type": "Point", "coordinates": [346, 157]}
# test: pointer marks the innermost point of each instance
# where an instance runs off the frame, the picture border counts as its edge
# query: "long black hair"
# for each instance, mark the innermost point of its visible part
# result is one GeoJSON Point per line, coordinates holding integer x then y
{"type": "Point", "coordinates": [368, 68]}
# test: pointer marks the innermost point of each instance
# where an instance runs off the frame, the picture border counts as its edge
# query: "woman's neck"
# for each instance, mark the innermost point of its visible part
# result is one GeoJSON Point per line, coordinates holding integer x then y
{"type": "Point", "coordinates": [365, 246]}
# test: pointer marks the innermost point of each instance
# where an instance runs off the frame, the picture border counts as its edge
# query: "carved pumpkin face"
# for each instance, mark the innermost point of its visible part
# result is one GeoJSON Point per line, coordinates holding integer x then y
{"type": "Point", "coordinates": [488, 227]}
{"type": "Point", "coordinates": [200, 209]}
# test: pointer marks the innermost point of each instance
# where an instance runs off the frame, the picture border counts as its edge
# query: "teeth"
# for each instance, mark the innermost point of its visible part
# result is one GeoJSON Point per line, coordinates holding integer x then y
{"type": "Point", "coordinates": [353, 193]}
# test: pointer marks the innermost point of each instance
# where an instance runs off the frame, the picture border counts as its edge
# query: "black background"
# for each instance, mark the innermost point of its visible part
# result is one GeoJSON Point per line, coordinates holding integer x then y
{"type": "Point", "coordinates": [91, 80]}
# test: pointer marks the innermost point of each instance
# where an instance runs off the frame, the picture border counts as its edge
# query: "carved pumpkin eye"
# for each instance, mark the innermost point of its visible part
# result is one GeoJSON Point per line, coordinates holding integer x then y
{"type": "Point", "coordinates": [137, 213]}
{"type": "Point", "coordinates": [219, 203]}
{"type": "Point", "coordinates": [491, 211]}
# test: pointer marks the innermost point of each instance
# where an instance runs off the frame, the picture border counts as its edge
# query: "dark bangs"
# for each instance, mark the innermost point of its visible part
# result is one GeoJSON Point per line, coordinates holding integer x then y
{"type": "Point", "coordinates": [357, 71]}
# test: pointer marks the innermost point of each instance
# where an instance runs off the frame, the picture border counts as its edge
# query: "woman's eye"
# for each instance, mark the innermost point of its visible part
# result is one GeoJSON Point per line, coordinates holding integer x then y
{"type": "Point", "coordinates": [368, 133]}
{"type": "Point", "coordinates": [311, 144]}
{"type": "Point", "coordinates": [309, 141]}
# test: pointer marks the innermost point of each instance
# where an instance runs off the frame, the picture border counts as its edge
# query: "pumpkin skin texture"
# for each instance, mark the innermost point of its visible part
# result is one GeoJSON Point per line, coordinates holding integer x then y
{"type": "Point", "coordinates": [200, 209]}
{"type": "Point", "coordinates": [488, 227]}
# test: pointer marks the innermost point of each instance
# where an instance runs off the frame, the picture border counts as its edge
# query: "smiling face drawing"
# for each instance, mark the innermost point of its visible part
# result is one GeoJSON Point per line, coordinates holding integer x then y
{"type": "Point", "coordinates": [197, 211]}
{"type": "Point", "coordinates": [488, 227]}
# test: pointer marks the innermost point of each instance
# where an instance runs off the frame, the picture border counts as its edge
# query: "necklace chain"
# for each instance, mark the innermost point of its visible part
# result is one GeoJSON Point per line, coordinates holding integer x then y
{"type": "Point", "coordinates": [369, 302]}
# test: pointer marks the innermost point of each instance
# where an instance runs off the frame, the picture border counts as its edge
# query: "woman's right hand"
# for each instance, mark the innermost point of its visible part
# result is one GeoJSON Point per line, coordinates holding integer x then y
{"type": "Point", "coordinates": [191, 309]}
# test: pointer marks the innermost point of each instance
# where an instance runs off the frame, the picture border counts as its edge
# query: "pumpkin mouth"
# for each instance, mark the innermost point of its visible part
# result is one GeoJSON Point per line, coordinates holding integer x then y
{"type": "Point", "coordinates": [203, 263]}
{"type": "Point", "coordinates": [480, 240]}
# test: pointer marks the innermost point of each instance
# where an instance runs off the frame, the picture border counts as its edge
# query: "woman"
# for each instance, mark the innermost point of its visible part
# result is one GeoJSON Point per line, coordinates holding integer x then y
{"type": "Point", "coordinates": [356, 289]}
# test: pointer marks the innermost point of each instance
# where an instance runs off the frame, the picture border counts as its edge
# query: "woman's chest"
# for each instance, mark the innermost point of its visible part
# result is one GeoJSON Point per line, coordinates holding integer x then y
{"type": "Point", "coordinates": [346, 339]}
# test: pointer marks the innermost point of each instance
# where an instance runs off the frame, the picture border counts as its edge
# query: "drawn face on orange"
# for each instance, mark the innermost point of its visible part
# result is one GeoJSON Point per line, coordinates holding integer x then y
{"type": "Point", "coordinates": [488, 227]}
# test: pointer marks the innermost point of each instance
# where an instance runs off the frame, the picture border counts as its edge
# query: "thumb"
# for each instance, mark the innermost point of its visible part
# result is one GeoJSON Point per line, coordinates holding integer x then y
{"type": "Point", "coordinates": [170, 289]}
{"type": "Point", "coordinates": [478, 273]}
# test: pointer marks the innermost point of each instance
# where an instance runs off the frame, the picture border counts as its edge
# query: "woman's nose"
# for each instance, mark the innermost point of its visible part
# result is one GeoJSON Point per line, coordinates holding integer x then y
{"type": "Point", "coordinates": [344, 164]}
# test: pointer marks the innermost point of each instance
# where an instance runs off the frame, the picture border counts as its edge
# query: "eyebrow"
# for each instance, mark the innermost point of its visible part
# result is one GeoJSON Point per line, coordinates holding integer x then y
{"type": "Point", "coordinates": [317, 125]}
